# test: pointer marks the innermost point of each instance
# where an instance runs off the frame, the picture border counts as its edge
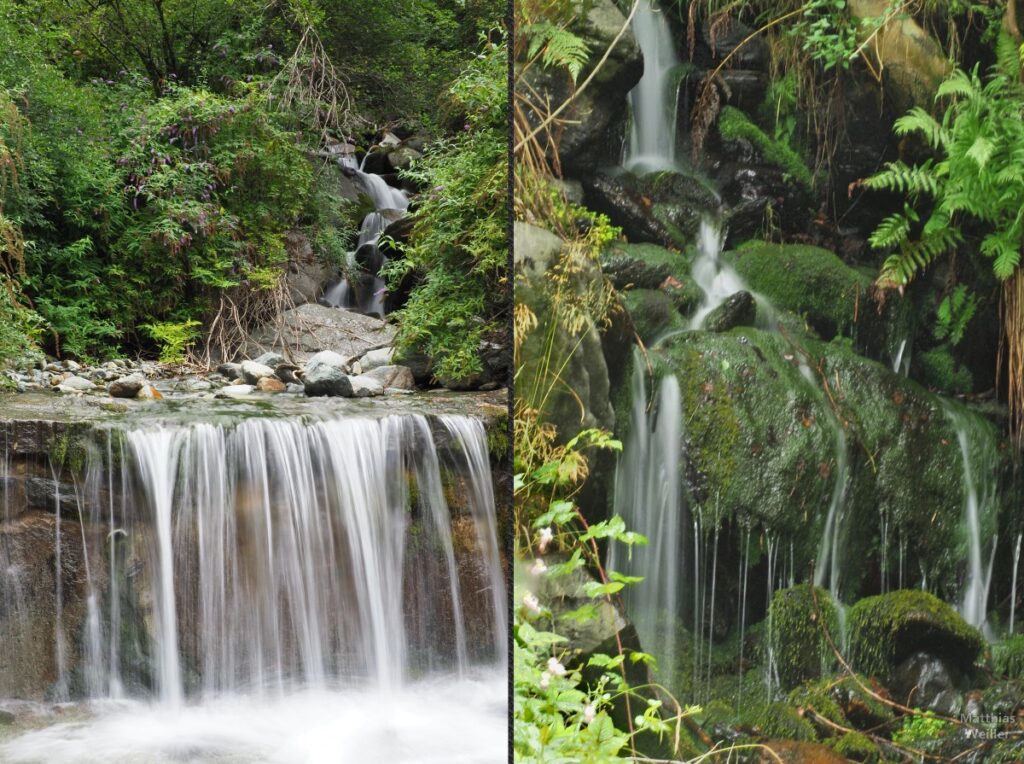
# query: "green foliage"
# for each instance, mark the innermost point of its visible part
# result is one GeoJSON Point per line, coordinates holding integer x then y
{"type": "Point", "coordinates": [557, 47]}
{"type": "Point", "coordinates": [827, 32]}
{"type": "Point", "coordinates": [857, 747]}
{"type": "Point", "coordinates": [977, 179]}
{"type": "Point", "coordinates": [954, 313]}
{"type": "Point", "coordinates": [174, 338]}
{"type": "Point", "coordinates": [1008, 657]}
{"type": "Point", "coordinates": [734, 125]}
{"type": "Point", "coordinates": [800, 648]}
{"type": "Point", "coordinates": [939, 369]}
{"type": "Point", "coordinates": [920, 728]}
{"type": "Point", "coordinates": [458, 244]}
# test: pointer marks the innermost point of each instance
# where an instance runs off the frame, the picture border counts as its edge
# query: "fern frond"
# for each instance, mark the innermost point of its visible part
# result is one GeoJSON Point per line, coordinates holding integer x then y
{"type": "Point", "coordinates": [1008, 55]}
{"type": "Point", "coordinates": [959, 83]}
{"type": "Point", "coordinates": [899, 270]}
{"type": "Point", "coordinates": [561, 48]}
{"type": "Point", "coordinates": [899, 176]}
{"type": "Point", "coordinates": [981, 151]}
{"type": "Point", "coordinates": [893, 230]}
{"type": "Point", "coordinates": [1004, 248]}
{"type": "Point", "coordinates": [920, 121]}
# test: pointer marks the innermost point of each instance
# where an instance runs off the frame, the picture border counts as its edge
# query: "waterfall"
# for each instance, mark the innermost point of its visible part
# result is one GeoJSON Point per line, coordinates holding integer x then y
{"type": "Point", "coordinates": [654, 100]}
{"type": "Point", "coordinates": [1013, 583]}
{"type": "Point", "coordinates": [290, 564]}
{"type": "Point", "coordinates": [979, 486]}
{"type": "Point", "coordinates": [718, 280]}
{"type": "Point", "coordinates": [366, 294]}
{"type": "Point", "coordinates": [649, 498]}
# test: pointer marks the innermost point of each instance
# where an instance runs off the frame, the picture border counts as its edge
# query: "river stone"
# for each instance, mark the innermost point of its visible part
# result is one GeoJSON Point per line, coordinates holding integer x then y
{"type": "Point", "coordinates": [374, 358]}
{"type": "Point", "coordinates": [127, 386]}
{"type": "Point", "coordinates": [270, 385]}
{"type": "Point", "coordinates": [329, 358]}
{"type": "Point", "coordinates": [286, 373]}
{"type": "Point", "coordinates": [400, 377]}
{"type": "Point", "coordinates": [402, 157]}
{"type": "Point", "coordinates": [301, 332]}
{"type": "Point", "coordinates": [739, 309]}
{"type": "Point", "coordinates": [364, 386]}
{"type": "Point", "coordinates": [230, 370]}
{"type": "Point", "coordinates": [253, 372]}
{"type": "Point", "coordinates": [76, 384]}
{"type": "Point", "coordinates": [929, 682]}
{"type": "Point", "coordinates": [272, 360]}
{"type": "Point", "coordinates": [235, 391]}
{"type": "Point", "coordinates": [325, 379]}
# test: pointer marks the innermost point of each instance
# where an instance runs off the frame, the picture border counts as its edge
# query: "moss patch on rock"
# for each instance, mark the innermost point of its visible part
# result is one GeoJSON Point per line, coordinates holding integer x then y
{"type": "Point", "coordinates": [653, 312]}
{"type": "Point", "coordinates": [734, 125]}
{"type": "Point", "coordinates": [885, 629]}
{"type": "Point", "coordinates": [1008, 658]}
{"type": "Point", "coordinates": [797, 633]}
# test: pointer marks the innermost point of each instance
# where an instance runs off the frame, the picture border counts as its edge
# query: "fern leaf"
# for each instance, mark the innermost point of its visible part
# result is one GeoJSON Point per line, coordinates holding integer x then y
{"type": "Point", "coordinates": [1005, 250]}
{"type": "Point", "coordinates": [561, 48]}
{"type": "Point", "coordinates": [981, 151]}
{"type": "Point", "coordinates": [899, 176]}
{"type": "Point", "coordinates": [920, 121]}
{"type": "Point", "coordinates": [959, 83]}
{"type": "Point", "coordinates": [893, 230]}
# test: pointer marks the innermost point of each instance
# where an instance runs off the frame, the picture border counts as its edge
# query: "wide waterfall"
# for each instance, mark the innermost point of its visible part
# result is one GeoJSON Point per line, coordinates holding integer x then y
{"type": "Point", "coordinates": [276, 588]}
{"type": "Point", "coordinates": [652, 140]}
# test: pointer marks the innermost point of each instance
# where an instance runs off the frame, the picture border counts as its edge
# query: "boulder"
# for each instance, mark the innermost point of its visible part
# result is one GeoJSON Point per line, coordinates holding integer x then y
{"type": "Point", "coordinates": [738, 310]}
{"type": "Point", "coordinates": [595, 121]}
{"type": "Point", "coordinates": [270, 385]}
{"type": "Point", "coordinates": [928, 682]}
{"type": "Point", "coordinates": [230, 370]}
{"type": "Point", "coordinates": [403, 156]}
{"type": "Point", "coordinates": [76, 384]}
{"type": "Point", "coordinates": [270, 359]}
{"type": "Point", "coordinates": [797, 640]}
{"type": "Point", "coordinates": [364, 386]}
{"type": "Point", "coordinates": [148, 393]}
{"type": "Point", "coordinates": [127, 386]}
{"type": "Point", "coordinates": [374, 358]}
{"type": "Point", "coordinates": [326, 380]}
{"type": "Point", "coordinates": [253, 372]}
{"type": "Point", "coordinates": [886, 630]}
{"type": "Point", "coordinates": [303, 331]}
{"type": "Point", "coordinates": [399, 377]}
{"type": "Point", "coordinates": [329, 358]}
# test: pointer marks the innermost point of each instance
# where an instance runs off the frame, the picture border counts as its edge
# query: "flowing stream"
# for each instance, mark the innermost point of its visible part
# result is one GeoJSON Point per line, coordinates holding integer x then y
{"type": "Point", "coordinates": [285, 590]}
{"type": "Point", "coordinates": [365, 293]}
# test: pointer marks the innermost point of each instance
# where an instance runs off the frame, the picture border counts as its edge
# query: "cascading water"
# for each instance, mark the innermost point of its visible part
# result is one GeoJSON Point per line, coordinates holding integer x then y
{"type": "Point", "coordinates": [717, 280]}
{"type": "Point", "coordinates": [978, 521]}
{"type": "Point", "coordinates": [365, 293]}
{"type": "Point", "coordinates": [654, 100]}
{"type": "Point", "coordinates": [305, 590]}
{"type": "Point", "coordinates": [648, 496]}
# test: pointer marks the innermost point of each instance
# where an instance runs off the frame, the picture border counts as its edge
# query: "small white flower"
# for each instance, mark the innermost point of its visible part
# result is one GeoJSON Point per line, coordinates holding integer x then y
{"type": "Point", "coordinates": [556, 668]}
{"type": "Point", "coordinates": [544, 538]}
{"type": "Point", "coordinates": [532, 603]}
{"type": "Point", "coordinates": [545, 680]}
{"type": "Point", "coordinates": [538, 568]}
{"type": "Point", "coordinates": [589, 712]}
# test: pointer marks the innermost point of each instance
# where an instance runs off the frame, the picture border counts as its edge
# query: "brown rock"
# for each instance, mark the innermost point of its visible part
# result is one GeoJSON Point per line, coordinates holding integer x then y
{"type": "Point", "coordinates": [270, 385]}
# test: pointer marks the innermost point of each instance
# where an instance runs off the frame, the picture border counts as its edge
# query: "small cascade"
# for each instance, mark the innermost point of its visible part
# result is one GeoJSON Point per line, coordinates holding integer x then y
{"type": "Point", "coordinates": [365, 294]}
{"type": "Point", "coordinates": [901, 359]}
{"type": "Point", "coordinates": [978, 521]}
{"type": "Point", "coordinates": [648, 496]}
{"type": "Point", "coordinates": [654, 100]}
{"type": "Point", "coordinates": [744, 577]}
{"type": "Point", "coordinates": [716, 279]}
{"type": "Point", "coordinates": [1013, 582]}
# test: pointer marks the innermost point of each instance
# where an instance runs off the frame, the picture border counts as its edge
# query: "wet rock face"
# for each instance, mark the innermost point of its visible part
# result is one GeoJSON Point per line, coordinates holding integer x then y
{"type": "Point", "coordinates": [927, 681]}
{"type": "Point", "coordinates": [739, 310]}
{"type": "Point", "coordinates": [596, 118]}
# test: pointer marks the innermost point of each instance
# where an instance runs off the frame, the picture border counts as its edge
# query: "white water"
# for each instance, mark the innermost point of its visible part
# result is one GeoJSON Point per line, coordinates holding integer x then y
{"type": "Point", "coordinates": [718, 280]}
{"type": "Point", "coordinates": [1013, 584]}
{"type": "Point", "coordinates": [648, 497]}
{"type": "Point", "coordinates": [654, 100]}
{"type": "Point", "coordinates": [437, 721]}
{"type": "Point", "coordinates": [294, 611]}
{"type": "Point", "coordinates": [979, 481]}
{"type": "Point", "coordinates": [367, 295]}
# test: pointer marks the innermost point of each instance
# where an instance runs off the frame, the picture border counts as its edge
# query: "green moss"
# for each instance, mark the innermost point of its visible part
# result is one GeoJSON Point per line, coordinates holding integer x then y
{"type": "Point", "coordinates": [1008, 657]}
{"type": "Point", "coordinates": [497, 438]}
{"type": "Point", "coordinates": [809, 281]}
{"type": "Point", "coordinates": [885, 629]}
{"type": "Point", "coordinates": [68, 450]}
{"type": "Point", "coordinates": [734, 125]}
{"type": "Point", "coordinates": [940, 370]}
{"type": "Point", "coordinates": [797, 636]}
{"type": "Point", "coordinates": [1004, 698]}
{"type": "Point", "coordinates": [779, 721]}
{"type": "Point", "coordinates": [857, 747]}
{"type": "Point", "coordinates": [653, 313]}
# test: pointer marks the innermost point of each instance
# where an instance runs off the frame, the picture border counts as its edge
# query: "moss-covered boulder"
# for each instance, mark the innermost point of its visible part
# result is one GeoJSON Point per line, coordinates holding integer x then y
{"type": "Point", "coordinates": [739, 309]}
{"type": "Point", "coordinates": [650, 266]}
{"type": "Point", "coordinates": [654, 313]}
{"type": "Point", "coordinates": [798, 618]}
{"type": "Point", "coordinates": [843, 701]}
{"type": "Point", "coordinates": [772, 427]}
{"type": "Point", "coordinates": [1008, 658]}
{"type": "Point", "coordinates": [885, 630]}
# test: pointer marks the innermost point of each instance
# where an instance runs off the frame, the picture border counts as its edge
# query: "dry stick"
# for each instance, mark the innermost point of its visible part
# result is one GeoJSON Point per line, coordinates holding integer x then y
{"type": "Point", "coordinates": [587, 81]}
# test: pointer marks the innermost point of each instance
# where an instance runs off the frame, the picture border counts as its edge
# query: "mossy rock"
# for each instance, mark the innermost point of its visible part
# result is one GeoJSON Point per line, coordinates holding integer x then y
{"type": "Point", "coordinates": [1008, 658]}
{"type": "Point", "coordinates": [761, 446]}
{"type": "Point", "coordinates": [939, 369]}
{"type": "Point", "coordinates": [1003, 698]}
{"type": "Point", "coordinates": [797, 633]}
{"type": "Point", "coordinates": [778, 720]}
{"type": "Point", "coordinates": [855, 746]}
{"type": "Point", "coordinates": [677, 202]}
{"type": "Point", "coordinates": [843, 701]}
{"type": "Point", "coordinates": [734, 125]}
{"type": "Point", "coordinates": [885, 629]}
{"type": "Point", "coordinates": [650, 266]}
{"type": "Point", "coordinates": [653, 312]}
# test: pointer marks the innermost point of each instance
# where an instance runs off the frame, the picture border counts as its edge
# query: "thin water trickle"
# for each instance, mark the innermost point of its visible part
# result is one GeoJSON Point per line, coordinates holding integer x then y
{"type": "Point", "coordinates": [654, 100]}
{"type": "Point", "coordinates": [1013, 583]}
